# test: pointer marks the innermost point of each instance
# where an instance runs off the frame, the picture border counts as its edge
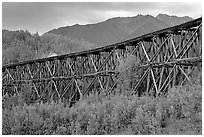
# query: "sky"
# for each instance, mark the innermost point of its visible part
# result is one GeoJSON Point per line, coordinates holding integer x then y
{"type": "Point", "coordinates": [41, 16]}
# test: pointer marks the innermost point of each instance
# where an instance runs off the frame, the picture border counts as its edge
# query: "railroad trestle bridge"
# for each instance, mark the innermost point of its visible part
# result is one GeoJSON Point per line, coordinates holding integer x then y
{"type": "Point", "coordinates": [167, 57]}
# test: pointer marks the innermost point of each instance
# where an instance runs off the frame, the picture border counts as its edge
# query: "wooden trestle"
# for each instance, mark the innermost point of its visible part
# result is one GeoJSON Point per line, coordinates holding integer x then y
{"type": "Point", "coordinates": [167, 57]}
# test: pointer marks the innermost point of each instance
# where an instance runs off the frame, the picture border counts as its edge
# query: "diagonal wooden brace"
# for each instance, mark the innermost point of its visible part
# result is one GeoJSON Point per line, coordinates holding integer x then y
{"type": "Point", "coordinates": [12, 79]}
{"type": "Point", "coordinates": [178, 55]}
{"type": "Point", "coordinates": [152, 59]}
{"type": "Point", "coordinates": [97, 71]}
{"type": "Point", "coordinates": [100, 67]}
{"type": "Point", "coordinates": [75, 80]}
{"type": "Point", "coordinates": [149, 61]}
{"type": "Point", "coordinates": [51, 74]}
{"type": "Point", "coordinates": [36, 90]}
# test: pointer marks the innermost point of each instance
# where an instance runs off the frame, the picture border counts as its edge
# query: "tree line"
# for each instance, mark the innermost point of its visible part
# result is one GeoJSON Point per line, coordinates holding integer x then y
{"type": "Point", "coordinates": [21, 45]}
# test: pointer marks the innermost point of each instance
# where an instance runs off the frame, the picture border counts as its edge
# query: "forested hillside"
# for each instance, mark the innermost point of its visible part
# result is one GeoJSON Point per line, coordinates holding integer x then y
{"type": "Point", "coordinates": [21, 45]}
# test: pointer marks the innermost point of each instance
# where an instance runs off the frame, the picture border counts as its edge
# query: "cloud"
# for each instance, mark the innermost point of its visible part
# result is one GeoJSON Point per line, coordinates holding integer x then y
{"type": "Point", "coordinates": [42, 17]}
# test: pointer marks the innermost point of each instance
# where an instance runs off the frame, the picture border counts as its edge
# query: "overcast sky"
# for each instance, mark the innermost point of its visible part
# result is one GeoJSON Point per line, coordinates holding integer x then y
{"type": "Point", "coordinates": [42, 17]}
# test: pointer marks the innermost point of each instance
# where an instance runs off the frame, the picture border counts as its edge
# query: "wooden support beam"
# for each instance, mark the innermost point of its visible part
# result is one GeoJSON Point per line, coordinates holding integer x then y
{"type": "Point", "coordinates": [178, 55]}
{"type": "Point", "coordinates": [65, 90]}
{"type": "Point", "coordinates": [44, 91]}
{"type": "Point", "coordinates": [140, 81]}
{"type": "Point", "coordinates": [75, 80]}
{"type": "Point", "coordinates": [36, 90]}
{"type": "Point", "coordinates": [97, 76]}
{"type": "Point", "coordinates": [15, 87]}
{"type": "Point", "coordinates": [100, 67]}
{"type": "Point", "coordinates": [152, 73]}
{"type": "Point", "coordinates": [185, 75]}
{"type": "Point", "coordinates": [174, 47]}
{"type": "Point", "coordinates": [182, 82]}
{"type": "Point", "coordinates": [52, 81]}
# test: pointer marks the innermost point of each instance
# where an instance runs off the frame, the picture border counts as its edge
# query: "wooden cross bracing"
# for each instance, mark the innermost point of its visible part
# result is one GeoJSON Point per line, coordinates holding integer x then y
{"type": "Point", "coordinates": [167, 58]}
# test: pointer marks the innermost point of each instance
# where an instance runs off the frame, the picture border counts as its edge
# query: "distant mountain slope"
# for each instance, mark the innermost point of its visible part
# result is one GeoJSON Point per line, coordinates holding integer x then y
{"type": "Point", "coordinates": [119, 28]}
{"type": "Point", "coordinates": [149, 24]}
{"type": "Point", "coordinates": [173, 20]}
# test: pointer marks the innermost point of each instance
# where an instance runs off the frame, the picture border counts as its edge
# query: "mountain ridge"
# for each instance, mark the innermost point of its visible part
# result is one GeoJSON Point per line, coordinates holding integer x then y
{"type": "Point", "coordinates": [118, 29]}
{"type": "Point", "coordinates": [172, 20]}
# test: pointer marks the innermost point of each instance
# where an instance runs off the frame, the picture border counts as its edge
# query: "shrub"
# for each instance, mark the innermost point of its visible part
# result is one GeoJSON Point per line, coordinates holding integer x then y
{"type": "Point", "coordinates": [129, 73]}
{"type": "Point", "coordinates": [178, 113]}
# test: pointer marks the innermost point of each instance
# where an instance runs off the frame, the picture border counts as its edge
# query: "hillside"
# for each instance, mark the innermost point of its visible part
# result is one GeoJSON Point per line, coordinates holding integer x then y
{"type": "Point", "coordinates": [119, 28]}
{"type": "Point", "coordinates": [22, 45]}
